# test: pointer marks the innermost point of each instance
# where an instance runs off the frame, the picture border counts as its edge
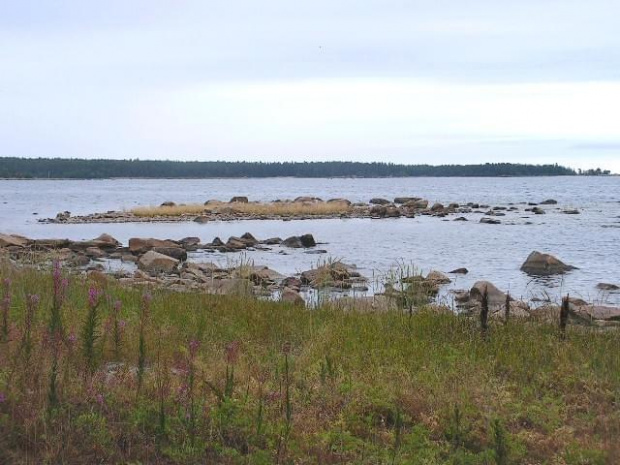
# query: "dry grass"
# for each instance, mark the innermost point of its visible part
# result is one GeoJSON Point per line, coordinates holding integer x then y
{"type": "Point", "coordinates": [251, 208]}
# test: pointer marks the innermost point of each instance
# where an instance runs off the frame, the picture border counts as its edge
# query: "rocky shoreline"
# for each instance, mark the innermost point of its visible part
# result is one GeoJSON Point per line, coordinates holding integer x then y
{"type": "Point", "coordinates": [375, 208]}
{"type": "Point", "coordinates": [164, 263]}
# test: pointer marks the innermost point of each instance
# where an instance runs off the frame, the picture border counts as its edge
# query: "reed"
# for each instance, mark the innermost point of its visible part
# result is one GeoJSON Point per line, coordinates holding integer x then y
{"type": "Point", "coordinates": [284, 209]}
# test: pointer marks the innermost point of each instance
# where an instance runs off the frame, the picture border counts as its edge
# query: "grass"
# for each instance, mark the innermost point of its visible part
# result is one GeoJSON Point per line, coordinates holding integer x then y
{"type": "Point", "coordinates": [161, 377]}
{"type": "Point", "coordinates": [251, 208]}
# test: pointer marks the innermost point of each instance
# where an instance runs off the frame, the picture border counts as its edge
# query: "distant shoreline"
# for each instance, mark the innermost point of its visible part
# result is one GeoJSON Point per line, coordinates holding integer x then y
{"type": "Point", "coordinates": [58, 168]}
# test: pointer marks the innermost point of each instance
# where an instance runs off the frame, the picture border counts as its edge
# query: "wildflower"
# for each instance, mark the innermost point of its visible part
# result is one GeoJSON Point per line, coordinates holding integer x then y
{"type": "Point", "coordinates": [93, 297]}
{"type": "Point", "coordinates": [72, 338]}
{"type": "Point", "coordinates": [2, 397]}
{"type": "Point", "coordinates": [117, 306]}
{"type": "Point", "coordinates": [122, 324]}
{"type": "Point", "coordinates": [100, 399]}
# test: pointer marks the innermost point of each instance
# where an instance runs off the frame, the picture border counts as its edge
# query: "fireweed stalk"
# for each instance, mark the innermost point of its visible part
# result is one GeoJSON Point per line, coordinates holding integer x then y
{"type": "Point", "coordinates": [117, 328]}
{"type": "Point", "coordinates": [32, 303]}
{"type": "Point", "coordinates": [56, 332]}
{"type": "Point", "coordinates": [90, 332]}
{"type": "Point", "coordinates": [6, 307]}
{"type": "Point", "coordinates": [145, 310]}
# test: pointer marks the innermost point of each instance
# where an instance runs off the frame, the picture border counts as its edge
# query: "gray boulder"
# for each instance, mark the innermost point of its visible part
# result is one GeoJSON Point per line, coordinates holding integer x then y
{"type": "Point", "coordinates": [541, 264]}
{"type": "Point", "coordinates": [154, 262]}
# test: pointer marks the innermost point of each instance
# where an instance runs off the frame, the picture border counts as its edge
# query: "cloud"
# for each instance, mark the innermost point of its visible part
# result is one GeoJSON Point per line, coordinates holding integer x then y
{"type": "Point", "coordinates": [345, 79]}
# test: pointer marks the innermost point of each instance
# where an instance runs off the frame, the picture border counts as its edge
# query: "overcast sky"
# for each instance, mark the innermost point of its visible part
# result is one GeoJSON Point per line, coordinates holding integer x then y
{"type": "Point", "coordinates": [443, 81]}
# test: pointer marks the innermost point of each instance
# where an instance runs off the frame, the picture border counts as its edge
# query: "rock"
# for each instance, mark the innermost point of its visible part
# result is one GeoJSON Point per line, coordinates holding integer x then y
{"type": "Point", "coordinates": [571, 212]}
{"type": "Point", "coordinates": [333, 274]}
{"type": "Point", "coordinates": [597, 312]}
{"type": "Point", "coordinates": [156, 262]}
{"type": "Point", "coordinates": [541, 264]}
{"type": "Point", "coordinates": [379, 201]}
{"type": "Point", "coordinates": [307, 240]}
{"type": "Point", "coordinates": [292, 282]}
{"type": "Point", "coordinates": [108, 239]}
{"type": "Point", "coordinates": [201, 219]}
{"type": "Point", "coordinates": [495, 296]}
{"type": "Point", "coordinates": [189, 242]}
{"type": "Point", "coordinates": [239, 199]}
{"type": "Point", "coordinates": [346, 202]}
{"type": "Point", "coordinates": [50, 243]}
{"type": "Point", "coordinates": [272, 241]}
{"type": "Point", "coordinates": [11, 240]}
{"type": "Point", "coordinates": [459, 271]}
{"type": "Point", "coordinates": [486, 220]}
{"type": "Point", "coordinates": [417, 204]}
{"type": "Point", "coordinates": [392, 212]}
{"type": "Point", "coordinates": [217, 242]}
{"type": "Point", "coordinates": [293, 242]}
{"type": "Point", "coordinates": [94, 252]}
{"type": "Point", "coordinates": [298, 242]}
{"type": "Point", "coordinates": [607, 287]}
{"type": "Point", "coordinates": [175, 252]}
{"type": "Point", "coordinates": [63, 216]}
{"type": "Point", "coordinates": [236, 243]}
{"type": "Point", "coordinates": [260, 275]}
{"type": "Point", "coordinates": [138, 245]}
{"type": "Point", "coordinates": [549, 202]}
{"type": "Point", "coordinates": [249, 239]}
{"type": "Point", "coordinates": [538, 211]}
{"type": "Point", "coordinates": [292, 296]}
{"type": "Point", "coordinates": [403, 200]}
{"type": "Point", "coordinates": [438, 277]}
{"type": "Point", "coordinates": [378, 211]}
{"type": "Point", "coordinates": [168, 204]}
{"type": "Point", "coordinates": [307, 200]}
{"type": "Point", "coordinates": [79, 260]}
{"type": "Point", "coordinates": [127, 257]}
{"type": "Point", "coordinates": [437, 207]}
{"type": "Point", "coordinates": [315, 252]}
{"type": "Point", "coordinates": [460, 218]}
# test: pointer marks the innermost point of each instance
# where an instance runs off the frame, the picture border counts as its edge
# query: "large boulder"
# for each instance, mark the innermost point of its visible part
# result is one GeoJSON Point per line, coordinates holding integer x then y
{"type": "Point", "coordinates": [346, 202]}
{"type": "Point", "coordinates": [438, 277]}
{"type": "Point", "coordinates": [379, 201]}
{"type": "Point", "coordinates": [417, 204]}
{"type": "Point", "coordinates": [154, 262]}
{"type": "Point", "coordinates": [177, 253]}
{"type": "Point", "coordinates": [541, 264]}
{"type": "Point", "coordinates": [494, 295]}
{"type": "Point", "coordinates": [298, 242]}
{"type": "Point", "coordinates": [106, 238]}
{"type": "Point", "coordinates": [10, 240]}
{"type": "Point", "coordinates": [138, 245]}
{"type": "Point", "coordinates": [239, 199]}
{"type": "Point", "coordinates": [402, 200]}
{"type": "Point", "coordinates": [307, 240]}
{"type": "Point", "coordinates": [292, 296]}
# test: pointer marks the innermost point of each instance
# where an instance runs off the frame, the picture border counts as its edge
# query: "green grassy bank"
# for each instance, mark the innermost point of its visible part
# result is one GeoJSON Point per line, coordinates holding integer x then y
{"type": "Point", "coordinates": [91, 372]}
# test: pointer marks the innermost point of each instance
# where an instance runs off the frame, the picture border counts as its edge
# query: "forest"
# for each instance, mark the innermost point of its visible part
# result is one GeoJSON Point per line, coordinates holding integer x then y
{"type": "Point", "coordinates": [73, 168]}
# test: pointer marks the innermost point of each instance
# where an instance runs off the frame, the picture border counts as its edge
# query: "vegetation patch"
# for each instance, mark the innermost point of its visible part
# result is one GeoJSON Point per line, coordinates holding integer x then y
{"type": "Point", "coordinates": [92, 372]}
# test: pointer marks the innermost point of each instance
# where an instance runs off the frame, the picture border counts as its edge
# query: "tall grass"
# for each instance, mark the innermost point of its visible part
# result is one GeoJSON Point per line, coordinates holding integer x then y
{"type": "Point", "coordinates": [294, 386]}
{"type": "Point", "coordinates": [251, 208]}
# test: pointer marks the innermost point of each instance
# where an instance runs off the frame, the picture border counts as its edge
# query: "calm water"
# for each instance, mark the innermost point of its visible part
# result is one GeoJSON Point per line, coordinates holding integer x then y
{"type": "Point", "coordinates": [589, 241]}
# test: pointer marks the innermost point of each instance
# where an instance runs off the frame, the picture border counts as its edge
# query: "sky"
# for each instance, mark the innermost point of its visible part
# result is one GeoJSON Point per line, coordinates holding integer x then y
{"type": "Point", "coordinates": [404, 81]}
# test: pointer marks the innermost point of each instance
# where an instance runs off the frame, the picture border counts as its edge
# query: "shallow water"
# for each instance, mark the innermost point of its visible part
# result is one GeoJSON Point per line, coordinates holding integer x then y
{"type": "Point", "coordinates": [378, 247]}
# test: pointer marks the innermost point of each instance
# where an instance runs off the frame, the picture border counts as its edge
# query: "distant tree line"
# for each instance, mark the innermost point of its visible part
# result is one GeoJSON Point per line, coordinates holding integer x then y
{"type": "Point", "coordinates": [13, 167]}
